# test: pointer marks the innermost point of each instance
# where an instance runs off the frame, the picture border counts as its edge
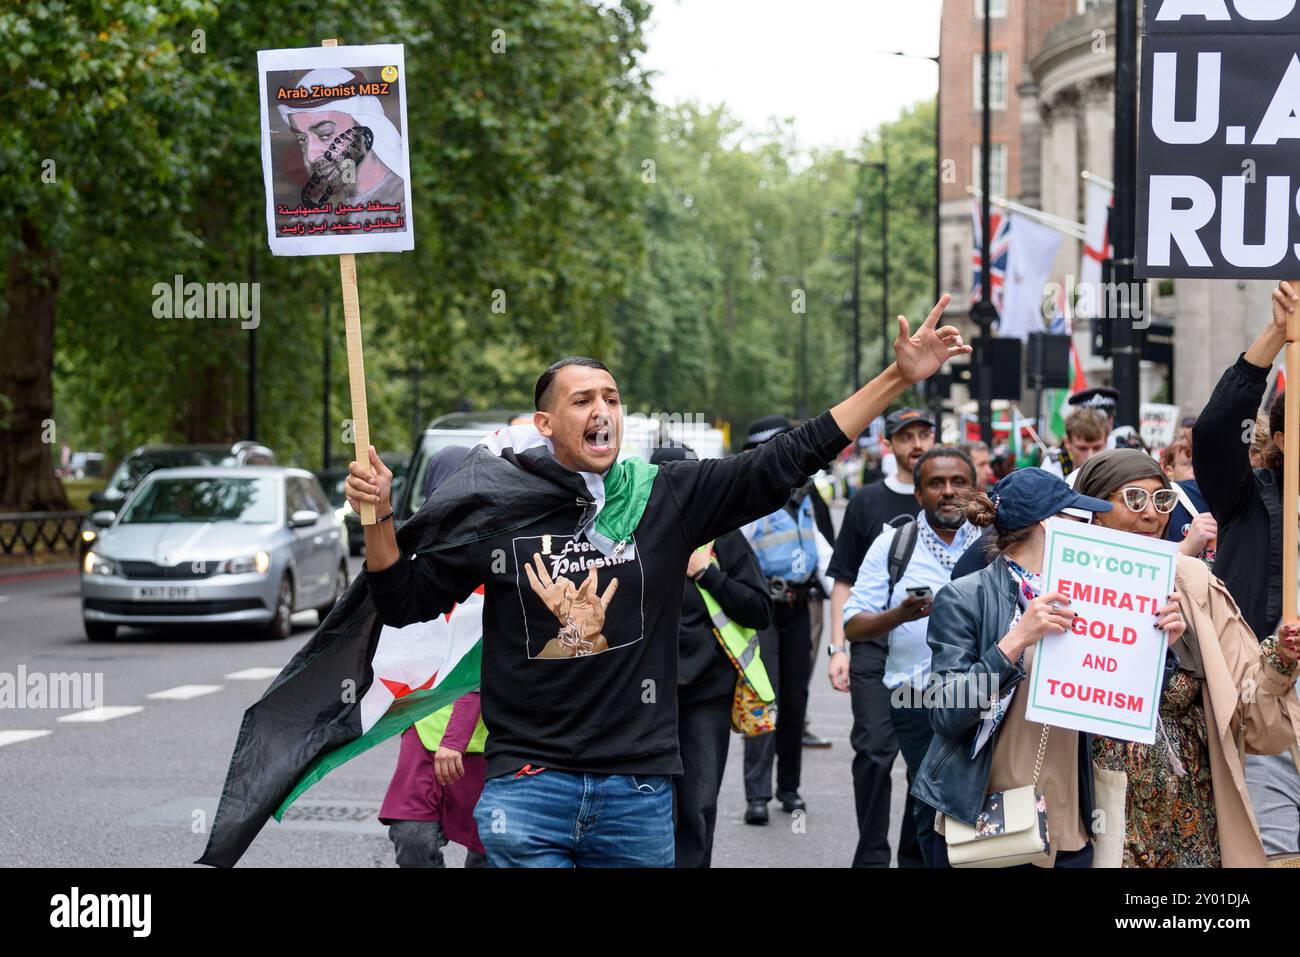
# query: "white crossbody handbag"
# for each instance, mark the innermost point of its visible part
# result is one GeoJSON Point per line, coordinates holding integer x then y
{"type": "Point", "coordinates": [1010, 829]}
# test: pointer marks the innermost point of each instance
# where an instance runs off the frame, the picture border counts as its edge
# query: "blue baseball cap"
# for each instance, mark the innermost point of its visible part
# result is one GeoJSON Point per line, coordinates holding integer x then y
{"type": "Point", "coordinates": [1031, 495]}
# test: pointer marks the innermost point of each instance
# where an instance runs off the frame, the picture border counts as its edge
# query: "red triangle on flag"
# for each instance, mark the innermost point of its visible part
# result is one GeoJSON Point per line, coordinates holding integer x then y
{"type": "Point", "coordinates": [398, 688]}
{"type": "Point", "coordinates": [477, 591]}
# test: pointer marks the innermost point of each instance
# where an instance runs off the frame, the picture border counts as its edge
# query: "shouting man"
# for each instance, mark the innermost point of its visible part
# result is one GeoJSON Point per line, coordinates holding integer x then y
{"type": "Point", "coordinates": [584, 559]}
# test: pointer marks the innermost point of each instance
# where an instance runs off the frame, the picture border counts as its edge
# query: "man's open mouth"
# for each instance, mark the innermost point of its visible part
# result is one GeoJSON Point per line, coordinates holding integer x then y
{"type": "Point", "coordinates": [599, 440]}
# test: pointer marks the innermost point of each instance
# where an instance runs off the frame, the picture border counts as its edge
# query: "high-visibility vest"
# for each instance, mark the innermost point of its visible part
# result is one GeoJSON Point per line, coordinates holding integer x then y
{"type": "Point", "coordinates": [740, 643]}
{"type": "Point", "coordinates": [786, 544]}
{"type": "Point", "coordinates": [434, 726]}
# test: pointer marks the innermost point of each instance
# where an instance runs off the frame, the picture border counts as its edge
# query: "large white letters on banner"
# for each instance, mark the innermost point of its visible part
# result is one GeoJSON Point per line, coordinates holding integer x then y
{"type": "Point", "coordinates": [1219, 140]}
{"type": "Point", "coordinates": [1206, 121]}
{"type": "Point", "coordinates": [1256, 10]}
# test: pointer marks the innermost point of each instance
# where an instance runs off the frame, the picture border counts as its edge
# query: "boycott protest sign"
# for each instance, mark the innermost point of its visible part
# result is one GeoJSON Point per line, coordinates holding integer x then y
{"type": "Point", "coordinates": [1219, 139]}
{"type": "Point", "coordinates": [1103, 675]}
{"type": "Point", "coordinates": [1157, 424]}
{"type": "Point", "coordinates": [335, 157]}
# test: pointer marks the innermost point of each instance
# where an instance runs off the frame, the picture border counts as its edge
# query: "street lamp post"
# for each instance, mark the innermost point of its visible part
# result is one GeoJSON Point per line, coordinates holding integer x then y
{"type": "Point", "coordinates": [325, 423]}
{"type": "Point", "coordinates": [883, 166]}
{"type": "Point", "coordinates": [251, 427]}
{"type": "Point", "coordinates": [857, 297]}
{"type": "Point", "coordinates": [855, 300]}
{"type": "Point", "coordinates": [984, 312]}
{"type": "Point", "coordinates": [1117, 272]}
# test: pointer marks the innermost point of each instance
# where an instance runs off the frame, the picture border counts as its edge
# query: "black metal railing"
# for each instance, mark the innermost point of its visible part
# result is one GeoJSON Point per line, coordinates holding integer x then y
{"type": "Point", "coordinates": [37, 533]}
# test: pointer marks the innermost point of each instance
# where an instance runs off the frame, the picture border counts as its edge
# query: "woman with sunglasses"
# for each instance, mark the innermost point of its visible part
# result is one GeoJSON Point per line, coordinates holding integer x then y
{"type": "Point", "coordinates": [1186, 803]}
{"type": "Point", "coordinates": [983, 635]}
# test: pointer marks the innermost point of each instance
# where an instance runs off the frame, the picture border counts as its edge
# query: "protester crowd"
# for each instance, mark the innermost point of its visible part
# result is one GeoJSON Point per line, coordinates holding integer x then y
{"type": "Point", "coordinates": [935, 590]}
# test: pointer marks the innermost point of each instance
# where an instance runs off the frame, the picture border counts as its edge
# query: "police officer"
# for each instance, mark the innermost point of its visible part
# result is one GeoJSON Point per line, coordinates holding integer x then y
{"type": "Point", "coordinates": [785, 544]}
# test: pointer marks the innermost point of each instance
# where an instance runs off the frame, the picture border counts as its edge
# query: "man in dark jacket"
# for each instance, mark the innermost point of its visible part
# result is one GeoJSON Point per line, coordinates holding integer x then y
{"type": "Point", "coordinates": [582, 598]}
{"type": "Point", "coordinates": [1246, 502]}
{"type": "Point", "coordinates": [706, 678]}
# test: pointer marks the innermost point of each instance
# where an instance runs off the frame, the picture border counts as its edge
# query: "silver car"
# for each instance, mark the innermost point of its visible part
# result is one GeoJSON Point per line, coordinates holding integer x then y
{"type": "Point", "coordinates": [215, 545]}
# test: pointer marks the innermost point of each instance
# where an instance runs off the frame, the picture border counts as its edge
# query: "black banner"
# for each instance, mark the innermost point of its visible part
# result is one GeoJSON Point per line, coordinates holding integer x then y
{"type": "Point", "coordinates": [1219, 140]}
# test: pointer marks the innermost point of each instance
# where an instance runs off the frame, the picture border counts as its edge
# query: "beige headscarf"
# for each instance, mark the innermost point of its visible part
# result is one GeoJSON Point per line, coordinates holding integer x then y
{"type": "Point", "coordinates": [1101, 477]}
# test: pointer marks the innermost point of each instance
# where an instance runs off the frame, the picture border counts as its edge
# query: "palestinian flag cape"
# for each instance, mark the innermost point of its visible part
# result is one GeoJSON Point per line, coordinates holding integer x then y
{"type": "Point", "coordinates": [357, 681]}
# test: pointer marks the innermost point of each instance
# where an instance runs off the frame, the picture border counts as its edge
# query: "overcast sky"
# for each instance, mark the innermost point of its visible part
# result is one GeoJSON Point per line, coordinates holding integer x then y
{"type": "Point", "coordinates": [818, 61]}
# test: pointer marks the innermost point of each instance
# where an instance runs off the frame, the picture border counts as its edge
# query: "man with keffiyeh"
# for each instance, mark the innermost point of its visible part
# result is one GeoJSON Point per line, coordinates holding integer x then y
{"type": "Point", "coordinates": [943, 478]}
{"type": "Point", "coordinates": [579, 655]}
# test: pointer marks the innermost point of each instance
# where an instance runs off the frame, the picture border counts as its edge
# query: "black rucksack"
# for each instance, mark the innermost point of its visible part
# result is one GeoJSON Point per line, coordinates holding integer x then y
{"type": "Point", "coordinates": [900, 551]}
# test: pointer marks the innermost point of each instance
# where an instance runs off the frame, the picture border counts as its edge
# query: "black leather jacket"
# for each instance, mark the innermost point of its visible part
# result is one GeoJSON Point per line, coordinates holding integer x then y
{"type": "Point", "coordinates": [969, 617]}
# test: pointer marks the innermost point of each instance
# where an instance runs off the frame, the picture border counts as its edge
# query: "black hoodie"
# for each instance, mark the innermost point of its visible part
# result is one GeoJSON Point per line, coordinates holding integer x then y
{"type": "Point", "coordinates": [611, 708]}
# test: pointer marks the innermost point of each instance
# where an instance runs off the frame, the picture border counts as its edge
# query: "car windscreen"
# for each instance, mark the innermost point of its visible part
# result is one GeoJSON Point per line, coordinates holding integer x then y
{"type": "Point", "coordinates": [249, 501]}
{"type": "Point", "coordinates": [431, 445]}
{"type": "Point", "coordinates": [133, 469]}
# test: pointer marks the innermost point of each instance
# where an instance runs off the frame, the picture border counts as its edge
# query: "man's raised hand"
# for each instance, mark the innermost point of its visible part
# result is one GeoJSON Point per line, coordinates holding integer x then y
{"type": "Point", "coordinates": [372, 483]}
{"type": "Point", "coordinates": [1285, 298]}
{"type": "Point", "coordinates": [919, 355]}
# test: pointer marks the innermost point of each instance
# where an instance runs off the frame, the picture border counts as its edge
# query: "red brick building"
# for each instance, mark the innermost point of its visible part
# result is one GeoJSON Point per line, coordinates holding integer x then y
{"type": "Point", "coordinates": [1019, 28]}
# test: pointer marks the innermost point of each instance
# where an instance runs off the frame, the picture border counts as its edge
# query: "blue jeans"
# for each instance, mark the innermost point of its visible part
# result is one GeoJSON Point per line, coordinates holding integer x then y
{"type": "Point", "coordinates": [557, 819]}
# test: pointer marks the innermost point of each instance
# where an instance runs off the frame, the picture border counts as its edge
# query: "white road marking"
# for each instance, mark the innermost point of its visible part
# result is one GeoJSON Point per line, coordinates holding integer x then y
{"type": "Point", "coordinates": [107, 713]}
{"type": "Point", "coordinates": [13, 737]}
{"type": "Point", "coordinates": [253, 674]}
{"type": "Point", "coordinates": [182, 692]}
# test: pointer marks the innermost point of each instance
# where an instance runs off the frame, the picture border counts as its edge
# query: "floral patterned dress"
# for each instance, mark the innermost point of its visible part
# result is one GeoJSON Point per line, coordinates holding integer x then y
{"type": "Point", "coordinates": [1169, 817]}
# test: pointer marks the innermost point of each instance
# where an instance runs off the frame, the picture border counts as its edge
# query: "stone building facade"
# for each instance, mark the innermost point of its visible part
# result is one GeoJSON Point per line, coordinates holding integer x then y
{"type": "Point", "coordinates": [1063, 124]}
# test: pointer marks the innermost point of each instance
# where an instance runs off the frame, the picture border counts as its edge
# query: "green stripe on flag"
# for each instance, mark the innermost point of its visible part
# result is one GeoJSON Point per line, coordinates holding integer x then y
{"type": "Point", "coordinates": [403, 713]}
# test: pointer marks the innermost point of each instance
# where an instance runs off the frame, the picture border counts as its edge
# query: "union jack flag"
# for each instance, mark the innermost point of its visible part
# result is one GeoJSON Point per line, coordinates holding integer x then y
{"type": "Point", "coordinates": [1000, 223]}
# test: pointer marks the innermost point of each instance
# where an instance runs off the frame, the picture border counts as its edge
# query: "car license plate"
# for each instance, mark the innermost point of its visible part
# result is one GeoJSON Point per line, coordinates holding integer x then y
{"type": "Point", "coordinates": [165, 593]}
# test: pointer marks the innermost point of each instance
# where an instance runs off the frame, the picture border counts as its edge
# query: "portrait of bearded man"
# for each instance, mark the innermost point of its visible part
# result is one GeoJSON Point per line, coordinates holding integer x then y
{"type": "Point", "coordinates": [350, 148]}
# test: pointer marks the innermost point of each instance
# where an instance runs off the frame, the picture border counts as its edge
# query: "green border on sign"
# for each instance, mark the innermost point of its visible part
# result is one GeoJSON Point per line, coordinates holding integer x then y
{"type": "Point", "coordinates": [1170, 563]}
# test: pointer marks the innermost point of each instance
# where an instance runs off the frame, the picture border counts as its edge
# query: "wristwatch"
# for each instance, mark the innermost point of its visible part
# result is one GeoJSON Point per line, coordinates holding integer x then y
{"type": "Point", "coordinates": [833, 650]}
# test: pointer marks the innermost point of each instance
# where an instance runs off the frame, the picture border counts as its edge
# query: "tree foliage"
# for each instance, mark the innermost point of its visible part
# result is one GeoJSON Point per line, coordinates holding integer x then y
{"type": "Point", "coordinates": [662, 238]}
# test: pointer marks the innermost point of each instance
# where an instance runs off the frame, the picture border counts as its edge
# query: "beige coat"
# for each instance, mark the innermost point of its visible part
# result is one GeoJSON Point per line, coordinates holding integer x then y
{"type": "Point", "coordinates": [1245, 701]}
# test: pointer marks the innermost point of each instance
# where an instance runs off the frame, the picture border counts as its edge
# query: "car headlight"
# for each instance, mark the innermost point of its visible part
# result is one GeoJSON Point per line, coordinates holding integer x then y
{"type": "Point", "coordinates": [98, 565]}
{"type": "Point", "coordinates": [260, 563]}
{"type": "Point", "coordinates": [87, 535]}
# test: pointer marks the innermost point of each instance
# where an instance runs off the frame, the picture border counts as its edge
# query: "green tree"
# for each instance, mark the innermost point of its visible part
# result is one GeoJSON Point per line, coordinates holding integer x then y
{"type": "Point", "coordinates": [89, 92]}
{"type": "Point", "coordinates": [517, 181]}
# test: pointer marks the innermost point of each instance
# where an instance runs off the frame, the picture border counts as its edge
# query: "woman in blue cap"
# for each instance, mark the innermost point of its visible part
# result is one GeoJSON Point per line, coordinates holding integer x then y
{"type": "Point", "coordinates": [984, 630]}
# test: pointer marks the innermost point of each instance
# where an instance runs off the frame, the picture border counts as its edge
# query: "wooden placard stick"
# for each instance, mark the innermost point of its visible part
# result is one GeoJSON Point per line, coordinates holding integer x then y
{"type": "Point", "coordinates": [1290, 472]}
{"type": "Point", "coordinates": [356, 362]}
